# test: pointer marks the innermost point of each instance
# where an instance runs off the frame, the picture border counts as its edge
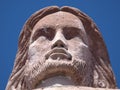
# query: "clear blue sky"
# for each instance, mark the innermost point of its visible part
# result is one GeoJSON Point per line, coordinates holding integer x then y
{"type": "Point", "coordinates": [14, 13]}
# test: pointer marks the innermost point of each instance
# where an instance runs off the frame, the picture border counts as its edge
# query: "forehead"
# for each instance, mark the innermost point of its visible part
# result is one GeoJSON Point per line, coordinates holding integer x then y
{"type": "Point", "coordinates": [59, 19]}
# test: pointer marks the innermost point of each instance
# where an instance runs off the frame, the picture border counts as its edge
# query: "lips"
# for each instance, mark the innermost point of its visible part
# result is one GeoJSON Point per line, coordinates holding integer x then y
{"type": "Point", "coordinates": [58, 53]}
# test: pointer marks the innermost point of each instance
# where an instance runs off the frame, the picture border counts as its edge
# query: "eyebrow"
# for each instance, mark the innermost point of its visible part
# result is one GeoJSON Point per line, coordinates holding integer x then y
{"type": "Point", "coordinates": [45, 26]}
{"type": "Point", "coordinates": [75, 28]}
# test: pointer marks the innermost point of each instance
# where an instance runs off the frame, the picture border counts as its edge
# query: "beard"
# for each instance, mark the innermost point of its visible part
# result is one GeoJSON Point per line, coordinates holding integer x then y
{"type": "Point", "coordinates": [79, 69]}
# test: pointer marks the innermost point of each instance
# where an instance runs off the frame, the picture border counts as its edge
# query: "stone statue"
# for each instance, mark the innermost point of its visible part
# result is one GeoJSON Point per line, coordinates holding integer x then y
{"type": "Point", "coordinates": [61, 46]}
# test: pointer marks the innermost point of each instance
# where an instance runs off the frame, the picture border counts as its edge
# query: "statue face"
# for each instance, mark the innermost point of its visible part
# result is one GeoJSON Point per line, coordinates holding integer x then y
{"type": "Point", "coordinates": [59, 51]}
{"type": "Point", "coordinates": [58, 47]}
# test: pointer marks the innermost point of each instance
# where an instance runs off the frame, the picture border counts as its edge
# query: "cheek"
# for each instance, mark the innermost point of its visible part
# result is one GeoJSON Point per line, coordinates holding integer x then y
{"type": "Point", "coordinates": [38, 49]}
{"type": "Point", "coordinates": [80, 51]}
{"type": "Point", "coordinates": [74, 44]}
{"type": "Point", "coordinates": [77, 47]}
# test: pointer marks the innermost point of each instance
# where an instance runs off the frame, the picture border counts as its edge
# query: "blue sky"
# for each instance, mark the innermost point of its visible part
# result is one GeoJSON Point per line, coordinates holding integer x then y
{"type": "Point", "coordinates": [14, 13]}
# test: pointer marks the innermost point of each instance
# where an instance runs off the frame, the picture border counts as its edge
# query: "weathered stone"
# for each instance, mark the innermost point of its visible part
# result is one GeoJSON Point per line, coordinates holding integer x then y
{"type": "Point", "coordinates": [74, 88]}
{"type": "Point", "coordinates": [59, 47]}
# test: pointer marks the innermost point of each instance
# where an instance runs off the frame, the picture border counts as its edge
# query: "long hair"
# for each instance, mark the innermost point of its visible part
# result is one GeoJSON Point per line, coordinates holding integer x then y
{"type": "Point", "coordinates": [102, 72]}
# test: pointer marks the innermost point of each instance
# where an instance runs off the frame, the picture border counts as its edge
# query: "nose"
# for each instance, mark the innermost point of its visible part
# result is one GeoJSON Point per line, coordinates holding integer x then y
{"type": "Point", "coordinates": [59, 41]}
{"type": "Point", "coordinates": [60, 44]}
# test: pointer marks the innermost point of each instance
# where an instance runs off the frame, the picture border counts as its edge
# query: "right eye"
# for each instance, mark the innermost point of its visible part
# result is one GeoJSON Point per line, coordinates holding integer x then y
{"type": "Point", "coordinates": [48, 33]}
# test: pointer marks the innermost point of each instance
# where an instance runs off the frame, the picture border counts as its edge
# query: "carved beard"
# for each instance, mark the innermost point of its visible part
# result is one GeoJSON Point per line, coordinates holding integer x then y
{"type": "Point", "coordinates": [79, 69]}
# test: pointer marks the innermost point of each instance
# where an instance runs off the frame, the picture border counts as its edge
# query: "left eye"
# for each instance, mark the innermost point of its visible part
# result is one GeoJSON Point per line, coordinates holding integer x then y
{"type": "Point", "coordinates": [70, 32]}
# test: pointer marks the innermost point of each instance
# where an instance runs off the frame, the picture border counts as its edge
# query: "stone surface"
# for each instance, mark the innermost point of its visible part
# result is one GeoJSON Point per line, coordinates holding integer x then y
{"type": "Point", "coordinates": [61, 46]}
{"type": "Point", "coordinates": [74, 88]}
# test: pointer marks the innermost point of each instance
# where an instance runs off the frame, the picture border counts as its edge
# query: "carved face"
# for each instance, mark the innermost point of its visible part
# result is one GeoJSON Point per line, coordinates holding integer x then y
{"type": "Point", "coordinates": [58, 48]}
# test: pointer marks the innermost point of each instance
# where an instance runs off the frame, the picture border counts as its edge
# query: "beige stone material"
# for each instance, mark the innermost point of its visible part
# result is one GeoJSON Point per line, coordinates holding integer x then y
{"type": "Point", "coordinates": [74, 88]}
{"type": "Point", "coordinates": [61, 47]}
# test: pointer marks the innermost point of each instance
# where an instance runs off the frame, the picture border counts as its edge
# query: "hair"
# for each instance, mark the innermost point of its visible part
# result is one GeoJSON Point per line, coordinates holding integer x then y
{"type": "Point", "coordinates": [102, 71]}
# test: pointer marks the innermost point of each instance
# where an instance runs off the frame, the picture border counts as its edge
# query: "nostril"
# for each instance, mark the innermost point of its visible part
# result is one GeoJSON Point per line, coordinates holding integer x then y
{"type": "Point", "coordinates": [54, 46]}
{"type": "Point", "coordinates": [58, 45]}
{"type": "Point", "coordinates": [62, 46]}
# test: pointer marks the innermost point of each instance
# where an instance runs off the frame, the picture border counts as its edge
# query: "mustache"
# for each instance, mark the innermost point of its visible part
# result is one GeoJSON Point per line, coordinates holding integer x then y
{"type": "Point", "coordinates": [40, 70]}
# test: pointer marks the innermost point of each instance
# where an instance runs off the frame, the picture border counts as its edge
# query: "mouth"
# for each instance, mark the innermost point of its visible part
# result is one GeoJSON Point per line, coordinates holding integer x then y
{"type": "Point", "coordinates": [58, 53]}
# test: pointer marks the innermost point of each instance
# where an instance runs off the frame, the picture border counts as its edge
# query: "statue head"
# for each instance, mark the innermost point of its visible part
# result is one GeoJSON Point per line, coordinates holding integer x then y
{"type": "Point", "coordinates": [64, 46]}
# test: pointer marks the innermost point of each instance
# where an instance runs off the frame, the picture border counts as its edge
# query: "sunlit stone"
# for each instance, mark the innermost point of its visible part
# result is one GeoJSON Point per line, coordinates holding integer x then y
{"type": "Point", "coordinates": [56, 81]}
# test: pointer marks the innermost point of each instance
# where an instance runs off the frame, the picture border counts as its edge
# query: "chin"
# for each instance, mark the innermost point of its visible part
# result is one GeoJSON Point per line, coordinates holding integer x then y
{"type": "Point", "coordinates": [56, 72]}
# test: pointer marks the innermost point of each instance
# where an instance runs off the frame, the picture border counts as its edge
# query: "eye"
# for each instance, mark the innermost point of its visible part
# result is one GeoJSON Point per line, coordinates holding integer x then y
{"type": "Point", "coordinates": [71, 32]}
{"type": "Point", "coordinates": [48, 33]}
